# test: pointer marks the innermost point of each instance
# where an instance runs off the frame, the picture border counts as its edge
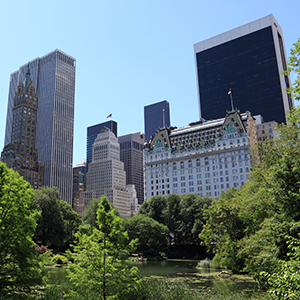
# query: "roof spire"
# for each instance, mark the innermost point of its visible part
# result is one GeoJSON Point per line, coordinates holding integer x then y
{"type": "Point", "coordinates": [28, 72]}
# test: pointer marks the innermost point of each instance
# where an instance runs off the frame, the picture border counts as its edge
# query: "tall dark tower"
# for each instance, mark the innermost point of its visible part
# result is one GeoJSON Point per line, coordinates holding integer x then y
{"type": "Point", "coordinates": [21, 153]}
{"type": "Point", "coordinates": [156, 116]}
{"type": "Point", "coordinates": [249, 60]}
{"type": "Point", "coordinates": [131, 154]}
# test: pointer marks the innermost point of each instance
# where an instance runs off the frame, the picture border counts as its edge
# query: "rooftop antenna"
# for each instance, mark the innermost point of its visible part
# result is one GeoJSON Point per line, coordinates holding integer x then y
{"type": "Point", "coordinates": [164, 118]}
{"type": "Point", "coordinates": [229, 93]}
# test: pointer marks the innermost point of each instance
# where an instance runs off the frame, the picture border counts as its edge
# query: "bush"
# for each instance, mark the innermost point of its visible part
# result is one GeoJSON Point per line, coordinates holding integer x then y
{"type": "Point", "coordinates": [205, 264]}
{"type": "Point", "coordinates": [60, 259]}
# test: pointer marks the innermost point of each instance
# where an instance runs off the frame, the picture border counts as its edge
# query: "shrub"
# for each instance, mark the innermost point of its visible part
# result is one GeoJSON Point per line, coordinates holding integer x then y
{"type": "Point", "coordinates": [60, 259]}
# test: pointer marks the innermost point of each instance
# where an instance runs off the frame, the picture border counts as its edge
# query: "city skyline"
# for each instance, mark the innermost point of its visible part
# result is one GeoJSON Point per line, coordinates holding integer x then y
{"type": "Point", "coordinates": [143, 53]}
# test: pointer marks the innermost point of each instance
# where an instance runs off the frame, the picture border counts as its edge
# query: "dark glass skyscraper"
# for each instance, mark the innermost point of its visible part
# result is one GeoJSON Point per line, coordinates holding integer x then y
{"type": "Point", "coordinates": [156, 116]}
{"type": "Point", "coordinates": [53, 76]}
{"type": "Point", "coordinates": [131, 154]}
{"type": "Point", "coordinates": [249, 60]}
{"type": "Point", "coordinates": [92, 133]}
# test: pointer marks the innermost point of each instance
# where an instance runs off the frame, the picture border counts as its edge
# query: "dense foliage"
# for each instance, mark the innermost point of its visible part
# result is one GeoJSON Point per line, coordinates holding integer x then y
{"type": "Point", "coordinates": [151, 235]}
{"type": "Point", "coordinates": [19, 267]}
{"type": "Point", "coordinates": [183, 215]}
{"type": "Point", "coordinates": [96, 255]}
{"type": "Point", "coordinates": [58, 221]}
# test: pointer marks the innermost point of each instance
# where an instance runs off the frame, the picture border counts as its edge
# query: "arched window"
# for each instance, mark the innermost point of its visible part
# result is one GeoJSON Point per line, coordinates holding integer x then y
{"type": "Point", "coordinates": [181, 165]}
{"type": "Point", "coordinates": [206, 161]}
{"type": "Point", "coordinates": [190, 163]}
{"type": "Point", "coordinates": [198, 162]}
{"type": "Point", "coordinates": [174, 166]}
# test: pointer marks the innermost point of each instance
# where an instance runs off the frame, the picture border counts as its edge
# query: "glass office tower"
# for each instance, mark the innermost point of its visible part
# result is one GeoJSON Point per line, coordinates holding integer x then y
{"type": "Point", "coordinates": [53, 75]}
{"type": "Point", "coordinates": [156, 116]}
{"type": "Point", "coordinates": [249, 60]}
{"type": "Point", "coordinates": [131, 154]}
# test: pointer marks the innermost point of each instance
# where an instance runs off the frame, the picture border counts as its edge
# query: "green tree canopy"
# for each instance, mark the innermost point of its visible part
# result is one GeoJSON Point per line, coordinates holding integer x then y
{"type": "Point", "coordinates": [151, 235]}
{"type": "Point", "coordinates": [57, 222]}
{"type": "Point", "coordinates": [294, 66]}
{"type": "Point", "coordinates": [183, 215]}
{"type": "Point", "coordinates": [90, 212]}
{"type": "Point", "coordinates": [154, 208]}
{"type": "Point", "coordinates": [19, 267]}
{"type": "Point", "coordinates": [97, 265]}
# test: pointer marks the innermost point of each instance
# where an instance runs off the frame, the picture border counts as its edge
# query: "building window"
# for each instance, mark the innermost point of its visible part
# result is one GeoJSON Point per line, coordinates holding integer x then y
{"type": "Point", "coordinates": [206, 161]}
{"type": "Point", "coordinates": [198, 162]}
{"type": "Point", "coordinates": [190, 163]}
{"type": "Point", "coordinates": [181, 165]}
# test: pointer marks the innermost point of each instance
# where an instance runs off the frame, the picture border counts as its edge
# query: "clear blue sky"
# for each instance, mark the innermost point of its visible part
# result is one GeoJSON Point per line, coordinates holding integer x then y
{"type": "Point", "coordinates": [129, 53]}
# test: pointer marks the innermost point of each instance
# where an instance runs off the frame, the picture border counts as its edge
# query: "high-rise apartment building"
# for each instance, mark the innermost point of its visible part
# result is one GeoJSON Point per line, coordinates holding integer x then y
{"type": "Point", "coordinates": [92, 133]}
{"type": "Point", "coordinates": [156, 116]}
{"type": "Point", "coordinates": [249, 60]}
{"type": "Point", "coordinates": [53, 76]}
{"type": "Point", "coordinates": [131, 154]}
{"type": "Point", "coordinates": [21, 154]}
{"type": "Point", "coordinates": [106, 175]}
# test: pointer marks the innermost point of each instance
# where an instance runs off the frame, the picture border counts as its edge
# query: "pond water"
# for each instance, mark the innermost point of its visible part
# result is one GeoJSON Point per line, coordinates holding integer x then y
{"type": "Point", "coordinates": [180, 270]}
{"type": "Point", "coordinates": [168, 268]}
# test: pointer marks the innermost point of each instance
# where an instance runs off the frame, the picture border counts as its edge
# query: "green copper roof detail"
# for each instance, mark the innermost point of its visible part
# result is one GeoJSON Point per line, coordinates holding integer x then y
{"type": "Point", "coordinates": [25, 85]}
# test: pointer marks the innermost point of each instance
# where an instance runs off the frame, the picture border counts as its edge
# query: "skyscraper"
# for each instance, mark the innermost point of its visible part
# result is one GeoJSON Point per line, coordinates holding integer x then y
{"type": "Point", "coordinates": [249, 60]}
{"type": "Point", "coordinates": [92, 133]}
{"type": "Point", "coordinates": [21, 154]}
{"type": "Point", "coordinates": [156, 116]}
{"type": "Point", "coordinates": [131, 154]}
{"type": "Point", "coordinates": [106, 175]}
{"type": "Point", "coordinates": [53, 76]}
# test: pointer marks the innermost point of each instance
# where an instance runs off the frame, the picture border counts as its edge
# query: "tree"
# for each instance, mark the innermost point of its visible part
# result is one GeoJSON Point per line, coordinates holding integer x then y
{"type": "Point", "coordinates": [285, 283]}
{"type": "Point", "coordinates": [191, 219]}
{"type": "Point", "coordinates": [151, 235]}
{"type": "Point", "coordinates": [294, 66]}
{"type": "Point", "coordinates": [90, 212]}
{"type": "Point", "coordinates": [71, 221]}
{"type": "Point", "coordinates": [57, 222]}
{"type": "Point", "coordinates": [154, 208]}
{"type": "Point", "coordinates": [97, 251]}
{"type": "Point", "coordinates": [19, 267]}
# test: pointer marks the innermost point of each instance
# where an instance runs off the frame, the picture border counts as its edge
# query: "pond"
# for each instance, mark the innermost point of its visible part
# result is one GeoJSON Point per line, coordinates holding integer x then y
{"type": "Point", "coordinates": [183, 271]}
{"type": "Point", "coordinates": [167, 268]}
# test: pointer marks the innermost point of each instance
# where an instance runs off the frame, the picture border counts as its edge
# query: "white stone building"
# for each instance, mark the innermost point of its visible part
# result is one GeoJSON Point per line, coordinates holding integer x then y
{"type": "Point", "coordinates": [106, 175]}
{"type": "Point", "coordinates": [205, 157]}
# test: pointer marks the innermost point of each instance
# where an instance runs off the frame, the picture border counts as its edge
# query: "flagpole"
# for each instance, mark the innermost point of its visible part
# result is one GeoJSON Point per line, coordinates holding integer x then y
{"type": "Point", "coordinates": [229, 93]}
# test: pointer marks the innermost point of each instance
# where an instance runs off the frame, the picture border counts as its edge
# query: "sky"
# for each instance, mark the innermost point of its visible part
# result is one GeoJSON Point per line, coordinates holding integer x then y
{"type": "Point", "coordinates": [128, 53]}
